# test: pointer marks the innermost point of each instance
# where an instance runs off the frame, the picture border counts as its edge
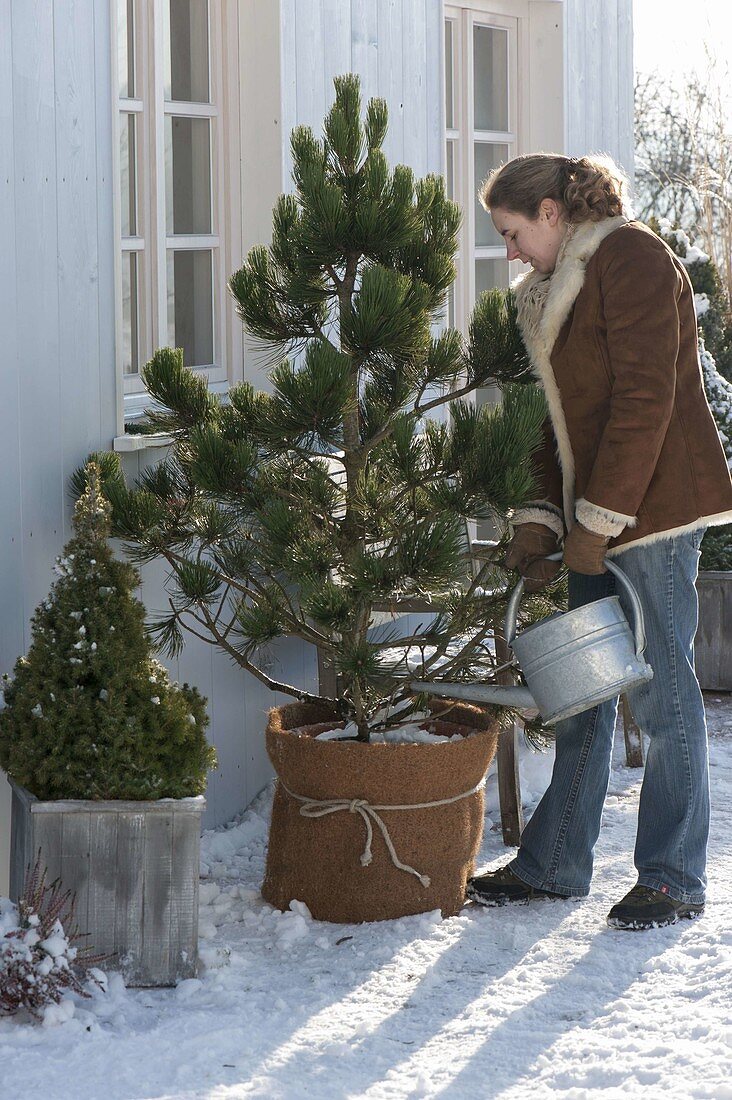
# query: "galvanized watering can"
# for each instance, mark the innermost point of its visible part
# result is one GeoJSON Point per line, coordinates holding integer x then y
{"type": "Point", "coordinates": [571, 661]}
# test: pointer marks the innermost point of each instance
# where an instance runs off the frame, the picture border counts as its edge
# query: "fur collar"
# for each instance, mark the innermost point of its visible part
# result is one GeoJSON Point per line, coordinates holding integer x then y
{"type": "Point", "coordinates": [544, 303]}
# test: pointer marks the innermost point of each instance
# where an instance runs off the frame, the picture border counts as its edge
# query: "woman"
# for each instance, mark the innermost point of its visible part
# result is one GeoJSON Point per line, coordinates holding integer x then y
{"type": "Point", "coordinates": [632, 468]}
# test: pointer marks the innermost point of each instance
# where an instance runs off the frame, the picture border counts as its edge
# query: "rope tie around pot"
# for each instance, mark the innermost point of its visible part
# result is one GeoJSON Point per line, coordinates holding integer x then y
{"type": "Point", "coordinates": [313, 807]}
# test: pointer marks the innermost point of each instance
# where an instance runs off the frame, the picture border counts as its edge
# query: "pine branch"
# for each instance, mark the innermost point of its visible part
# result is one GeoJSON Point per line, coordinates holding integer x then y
{"type": "Point", "coordinates": [254, 593]}
{"type": "Point", "coordinates": [418, 412]}
{"type": "Point", "coordinates": [268, 681]}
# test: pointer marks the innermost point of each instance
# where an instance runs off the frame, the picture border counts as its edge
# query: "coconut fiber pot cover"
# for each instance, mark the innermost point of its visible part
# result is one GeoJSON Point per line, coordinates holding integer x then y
{"type": "Point", "coordinates": [336, 844]}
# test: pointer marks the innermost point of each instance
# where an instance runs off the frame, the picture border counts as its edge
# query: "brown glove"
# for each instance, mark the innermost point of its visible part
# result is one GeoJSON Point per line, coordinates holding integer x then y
{"type": "Point", "coordinates": [527, 552]}
{"type": "Point", "coordinates": [584, 551]}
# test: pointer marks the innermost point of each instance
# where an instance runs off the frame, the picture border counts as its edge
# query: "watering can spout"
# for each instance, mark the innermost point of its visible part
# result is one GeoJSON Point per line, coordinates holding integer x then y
{"type": "Point", "coordinates": [503, 695]}
{"type": "Point", "coordinates": [572, 661]}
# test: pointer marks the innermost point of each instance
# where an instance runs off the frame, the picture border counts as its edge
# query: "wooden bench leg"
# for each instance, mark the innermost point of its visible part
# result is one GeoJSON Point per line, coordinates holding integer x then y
{"type": "Point", "coordinates": [509, 783]}
{"type": "Point", "coordinates": [633, 736]}
{"type": "Point", "coordinates": [509, 786]}
{"type": "Point", "coordinates": [327, 677]}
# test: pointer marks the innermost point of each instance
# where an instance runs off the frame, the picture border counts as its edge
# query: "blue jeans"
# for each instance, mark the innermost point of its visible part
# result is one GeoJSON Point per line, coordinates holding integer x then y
{"type": "Point", "coordinates": [673, 819]}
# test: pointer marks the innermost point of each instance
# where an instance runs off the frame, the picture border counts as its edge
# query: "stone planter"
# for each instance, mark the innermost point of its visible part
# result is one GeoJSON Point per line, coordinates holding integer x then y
{"type": "Point", "coordinates": [134, 868]}
{"type": "Point", "coordinates": [334, 800]}
{"type": "Point", "coordinates": [713, 643]}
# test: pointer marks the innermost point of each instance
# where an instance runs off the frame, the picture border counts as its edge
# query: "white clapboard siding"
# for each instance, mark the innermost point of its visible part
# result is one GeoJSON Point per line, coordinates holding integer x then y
{"type": "Point", "coordinates": [12, 611]}
{"type": "Point", "coordinates": [38, 292]}
{"type": "Point", "coordinates": [626, 86]}
{"type": "Point", "coordinates": [393, 45]}
{"type": "Point", "coordinates": [599, 78]}
{"type": "Point", "coordinates": [79, 376]}
{"type": "Point", "coordinates": [365, 47]}
{"type": "Point", "coordinates": [56, 283]}
{"type": "Point", "coordinates": [57, 368]}
{"type": "Point", "coordinates": [434, 96]}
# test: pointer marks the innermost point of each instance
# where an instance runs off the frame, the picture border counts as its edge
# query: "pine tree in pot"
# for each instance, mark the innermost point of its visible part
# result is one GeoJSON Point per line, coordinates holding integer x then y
{"type": "Point", "coordinates": [302, 511]}
{"type": "Point", "coordinates": [107, 760]}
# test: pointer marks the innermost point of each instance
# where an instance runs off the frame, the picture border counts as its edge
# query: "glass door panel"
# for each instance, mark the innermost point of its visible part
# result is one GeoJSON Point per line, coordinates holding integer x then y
{"type": "Point", "coordinates": [125, 48]}
{"type": "Point", "coordinates": [130, 327]}
{"type": "Point", "coordinates": [487, 156]}
{"type": "Point", "coordinates": [186, 51]}
{"type": "Point", "coordinates": [490, 78]}
{"type": "Point", "coordinates": [490, 273]}
{"type": "Point", "coordinates": [190, 305]}
{"type": "Point", "coordinates": [128, 174]}
{"type": "Point", "coordinates": [187, 174]}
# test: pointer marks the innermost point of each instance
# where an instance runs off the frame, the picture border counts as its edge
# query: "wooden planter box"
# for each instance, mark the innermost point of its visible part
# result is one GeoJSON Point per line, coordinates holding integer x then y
{"type": "Point", "coordinates": [713, 644]}
{"type": "Point", "coordinates": [134, 868]}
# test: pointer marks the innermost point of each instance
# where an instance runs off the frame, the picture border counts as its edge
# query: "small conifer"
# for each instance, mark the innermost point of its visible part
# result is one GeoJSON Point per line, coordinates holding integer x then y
{"type": "Point", "coordinates": [89, 713]}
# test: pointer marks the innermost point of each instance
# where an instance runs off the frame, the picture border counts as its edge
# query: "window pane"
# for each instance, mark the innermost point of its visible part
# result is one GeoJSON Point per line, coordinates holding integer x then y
{"type": "Point", "coordinates": [450, 170]}
{"type": "Point", "coordinates": [449, 110]}
{"type": "Point", "coordinates": [130, 345]}
{"type": "Point", "coordinates": [186, 51]}
{"type": "Point", "coordinates": [490, 78]}
{"type": "Point", "coordinates": [125, 47]}
{"type": "Point", "coordinates": [490, 273]}
{"type": "Point", "coordinates": [190, 305]}
{"type": "Point", "coordinates": [187, 175]}
{"type": "Point", "coordinates": [487, 157]}
{"type": "Point", "coordinates": [128, 175]}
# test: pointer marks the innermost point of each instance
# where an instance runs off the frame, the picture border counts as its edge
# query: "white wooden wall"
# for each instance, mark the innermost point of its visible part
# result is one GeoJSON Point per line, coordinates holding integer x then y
{"type": "Point", "coordinates": [56, 282]}
{"type": "Point", "coordinates": [57, 379]}
{"type": "Point", "coordinates": [599, 78]}
{"type": "Point", "coordinates": [394, 45]}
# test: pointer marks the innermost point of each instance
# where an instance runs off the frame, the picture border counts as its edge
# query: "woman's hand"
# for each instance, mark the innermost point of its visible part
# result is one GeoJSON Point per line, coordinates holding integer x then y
{"type": "Point", "coordinates": [584, 551]}
{"type": "Point", "coordinates": [527, 551]}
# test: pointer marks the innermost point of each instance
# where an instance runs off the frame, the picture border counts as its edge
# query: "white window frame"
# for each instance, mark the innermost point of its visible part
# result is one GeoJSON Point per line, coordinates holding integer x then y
{"type": "Point", "coordinates": [152, 243]}
{"type": "Point", "coordinates": [511, 17]}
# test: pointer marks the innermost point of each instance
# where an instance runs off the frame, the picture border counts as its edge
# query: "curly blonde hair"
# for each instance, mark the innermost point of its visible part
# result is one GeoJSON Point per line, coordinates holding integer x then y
{"type": "Point", "coordinates": [587, 188]}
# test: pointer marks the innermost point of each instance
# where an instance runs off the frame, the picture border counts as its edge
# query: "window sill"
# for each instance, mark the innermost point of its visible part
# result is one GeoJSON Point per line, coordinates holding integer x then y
{"type": "Point", "coordinates": [137, 404]}
{"type": "Point", "coordinates": [135, 407]}
{"type": "Point", "coordinates": [141, 442]}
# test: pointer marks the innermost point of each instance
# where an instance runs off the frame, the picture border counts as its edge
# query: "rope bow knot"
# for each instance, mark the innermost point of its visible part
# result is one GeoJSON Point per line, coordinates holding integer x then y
{"type": "Point", "coordinates": [314, 807]}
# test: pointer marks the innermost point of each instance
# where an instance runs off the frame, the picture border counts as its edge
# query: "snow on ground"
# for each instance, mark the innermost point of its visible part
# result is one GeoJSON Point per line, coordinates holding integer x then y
{"type": "Point", "coordinates": [500, 1004]}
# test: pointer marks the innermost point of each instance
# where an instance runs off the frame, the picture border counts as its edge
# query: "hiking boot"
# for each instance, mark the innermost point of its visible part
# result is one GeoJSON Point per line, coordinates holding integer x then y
{"type": "Point", "coordinates": [501, 886]}
{"type": "Point", "coordinates": [643, 908]}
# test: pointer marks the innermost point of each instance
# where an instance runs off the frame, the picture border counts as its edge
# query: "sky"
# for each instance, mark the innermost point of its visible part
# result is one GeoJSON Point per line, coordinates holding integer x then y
{"type": "Point", "coordinates": [669, 35]}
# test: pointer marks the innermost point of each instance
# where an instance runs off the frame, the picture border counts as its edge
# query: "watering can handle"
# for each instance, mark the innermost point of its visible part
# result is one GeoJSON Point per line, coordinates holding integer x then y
{"type": "Point", "coordinates": [639, 629]}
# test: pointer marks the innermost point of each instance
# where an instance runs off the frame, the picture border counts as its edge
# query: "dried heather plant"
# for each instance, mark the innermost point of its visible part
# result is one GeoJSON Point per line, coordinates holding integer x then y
{"type": "Point", "coordinates": [38, 962]}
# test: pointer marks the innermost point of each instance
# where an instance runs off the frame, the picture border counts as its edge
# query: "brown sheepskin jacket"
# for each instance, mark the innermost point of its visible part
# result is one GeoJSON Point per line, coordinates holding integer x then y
{"type": "Point", "coordinates": [631, 448]}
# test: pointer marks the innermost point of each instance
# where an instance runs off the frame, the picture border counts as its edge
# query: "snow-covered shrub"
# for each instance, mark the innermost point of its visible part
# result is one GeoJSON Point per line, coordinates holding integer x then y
{"type": "Point", "coordinates": [89, 713]}
{"type": "Point", "coordinates": [709, 302]}
{"type": "Point", "coordinates": [712, 307]}
{"type": "Point", "coordinates": [38, 960]}
{"type": "Point", "coordinates": [719, 396]}
{"type": "Point", "coordinates": [715, 353]}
